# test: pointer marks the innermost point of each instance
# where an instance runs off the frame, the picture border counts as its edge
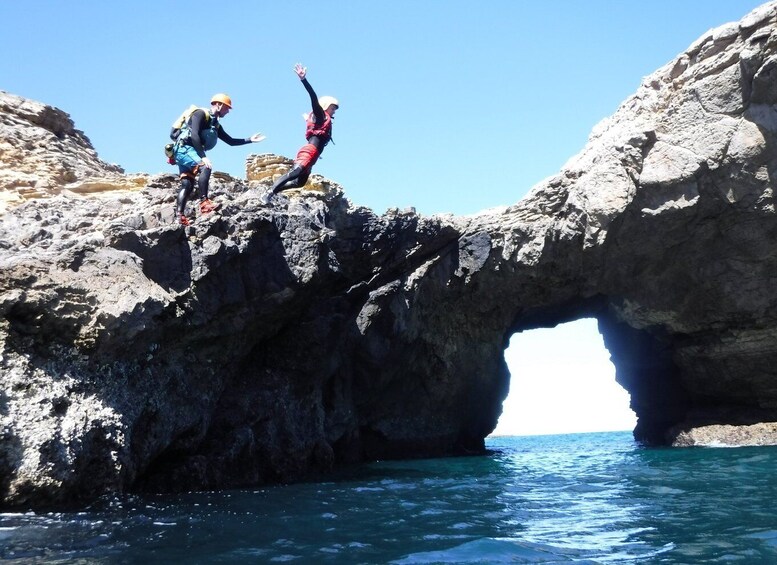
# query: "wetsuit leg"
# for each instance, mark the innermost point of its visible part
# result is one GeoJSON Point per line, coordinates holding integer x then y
{"type": "Point", "coordinates": [183, 194]}
{"type": "Point", "coordinates": [296, 177]}
{"type": "Point", "coordinates": [202, 183]}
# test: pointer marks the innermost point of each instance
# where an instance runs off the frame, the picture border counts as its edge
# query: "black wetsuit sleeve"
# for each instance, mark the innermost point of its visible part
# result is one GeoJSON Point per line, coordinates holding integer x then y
{"type": "Point", "coordinates": [197, 123]}
{"type": "Point", "coordinates": [318, 111]}
{"type": "Point", "coordinates": [229, 140]}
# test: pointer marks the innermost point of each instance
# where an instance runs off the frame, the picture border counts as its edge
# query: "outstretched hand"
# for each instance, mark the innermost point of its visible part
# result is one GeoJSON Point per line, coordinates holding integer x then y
{"type": "Point", "coordinates": [257, 137]}
{"type": "Point", "coordinates": [301, 71]}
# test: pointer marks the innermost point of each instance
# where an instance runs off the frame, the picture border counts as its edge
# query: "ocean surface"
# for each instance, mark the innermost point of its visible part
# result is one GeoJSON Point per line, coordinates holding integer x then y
{"type": "Point", "coordinates": [581, 498]}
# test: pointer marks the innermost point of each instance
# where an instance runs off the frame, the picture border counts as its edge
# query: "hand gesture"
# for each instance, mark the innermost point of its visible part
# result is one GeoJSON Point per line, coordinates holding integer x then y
{"type": "Point", "coordinates": [301, 71]}
{"type": "Point", "coordinates": [257, 137]}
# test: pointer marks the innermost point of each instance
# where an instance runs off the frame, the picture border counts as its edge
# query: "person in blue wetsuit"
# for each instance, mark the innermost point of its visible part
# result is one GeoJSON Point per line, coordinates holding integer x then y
{"type": "Point", "coordinates": [198, 134]}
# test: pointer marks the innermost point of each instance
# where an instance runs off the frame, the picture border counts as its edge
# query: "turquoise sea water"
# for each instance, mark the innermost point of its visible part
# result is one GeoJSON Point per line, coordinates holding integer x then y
{"type": "Point", "coordinates": [582, 498]}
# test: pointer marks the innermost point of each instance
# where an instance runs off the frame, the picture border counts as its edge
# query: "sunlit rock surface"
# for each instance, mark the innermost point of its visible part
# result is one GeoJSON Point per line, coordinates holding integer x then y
{"type": "Point", "coordinates": [41, 152]}
{"type": "Point", "coordinates": [270, 343]}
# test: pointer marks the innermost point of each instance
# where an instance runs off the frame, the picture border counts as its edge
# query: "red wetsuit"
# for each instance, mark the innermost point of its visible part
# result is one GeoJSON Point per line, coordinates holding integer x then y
{"type": "Point", "coordinates": [318, 133]}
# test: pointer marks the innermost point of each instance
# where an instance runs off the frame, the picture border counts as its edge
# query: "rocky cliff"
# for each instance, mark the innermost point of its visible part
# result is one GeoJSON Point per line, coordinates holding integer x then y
{"type": "Point", "coordinates": [269, 343]}
{"type": "Point", "coordinates": [41, 153]}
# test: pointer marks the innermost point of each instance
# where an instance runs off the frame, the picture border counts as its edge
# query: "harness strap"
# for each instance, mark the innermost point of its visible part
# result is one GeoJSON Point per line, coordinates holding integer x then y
{"type": "Point", "coordinates": [191, 174]}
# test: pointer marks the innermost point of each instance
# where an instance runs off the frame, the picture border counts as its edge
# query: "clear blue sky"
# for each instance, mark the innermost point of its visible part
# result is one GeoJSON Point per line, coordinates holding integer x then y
{"type": "Point", "coordinates": [448, 106]}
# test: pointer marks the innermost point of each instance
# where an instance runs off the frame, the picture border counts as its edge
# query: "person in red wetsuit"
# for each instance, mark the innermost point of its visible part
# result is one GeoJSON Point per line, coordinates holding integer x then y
{"type": "Point", "coordinates": [318, 133]}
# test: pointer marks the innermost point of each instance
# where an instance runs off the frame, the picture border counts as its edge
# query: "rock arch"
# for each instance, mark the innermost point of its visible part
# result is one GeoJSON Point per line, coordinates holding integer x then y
{"type": "Point", "coordinates": [268, 344]}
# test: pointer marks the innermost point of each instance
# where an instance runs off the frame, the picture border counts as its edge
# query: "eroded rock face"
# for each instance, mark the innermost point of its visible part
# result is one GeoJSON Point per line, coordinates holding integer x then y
{"type": "Point", "coordinates": [270, 343]}
{"type": "Point", "coordinates": [41, 152]}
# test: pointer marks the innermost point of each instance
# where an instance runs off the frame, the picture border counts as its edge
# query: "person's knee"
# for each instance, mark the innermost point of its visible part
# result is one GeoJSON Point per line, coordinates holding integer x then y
{"type": "Point", "coordinates": [287, 184]}
{"type": "Point", "coordinates": [287, 180]}
{"type": "Point", "coordinates": [292, 178]}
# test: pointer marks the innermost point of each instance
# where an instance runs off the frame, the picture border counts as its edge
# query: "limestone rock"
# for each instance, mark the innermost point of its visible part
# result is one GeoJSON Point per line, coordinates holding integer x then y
{"type": "Point", "coordinates": [40, 151]}
{"type": "Point", "coordinates": [266, 167]}
{"type": "Point", "coordinates": [270, 343]}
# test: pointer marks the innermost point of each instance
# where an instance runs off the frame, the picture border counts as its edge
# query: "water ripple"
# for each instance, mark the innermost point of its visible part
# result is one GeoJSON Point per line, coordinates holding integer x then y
{"type": "Point", "coordinates": [588, 498]}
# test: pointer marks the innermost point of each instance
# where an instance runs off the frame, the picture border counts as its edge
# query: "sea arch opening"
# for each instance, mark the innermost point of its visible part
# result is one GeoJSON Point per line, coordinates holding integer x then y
{"type": "Point", "coordinates": [563, 381]}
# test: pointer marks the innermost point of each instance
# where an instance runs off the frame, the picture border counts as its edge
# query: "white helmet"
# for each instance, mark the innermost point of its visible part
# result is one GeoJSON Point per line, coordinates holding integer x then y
{"type": "Point", "coordinates": [327, 101]}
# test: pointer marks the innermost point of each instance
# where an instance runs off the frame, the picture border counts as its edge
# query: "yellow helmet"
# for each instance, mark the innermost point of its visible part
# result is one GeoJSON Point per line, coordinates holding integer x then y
{"type": "Point", "coordinates": [327, 101]}
{"type": "Point", "coordinates": [223, 98]}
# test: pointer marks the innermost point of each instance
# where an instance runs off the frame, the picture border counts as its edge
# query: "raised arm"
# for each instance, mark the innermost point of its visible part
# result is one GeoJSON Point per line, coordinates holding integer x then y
{"type": "Point", "coordinates": [318, 111]}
